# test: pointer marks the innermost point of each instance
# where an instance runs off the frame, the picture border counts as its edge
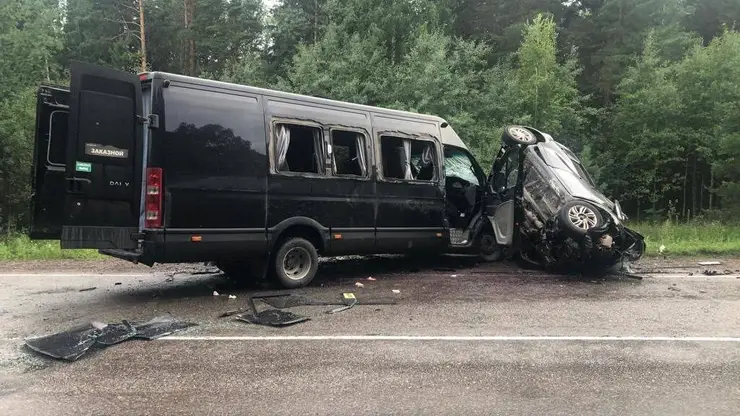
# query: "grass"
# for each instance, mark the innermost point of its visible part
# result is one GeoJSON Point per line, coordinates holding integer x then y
{"type": "Point", "coordinates": [20, 247]}
{"type": "Point", "coordinates": [690, 239]}
{"type": "Point", "coordinates": [678, 239]}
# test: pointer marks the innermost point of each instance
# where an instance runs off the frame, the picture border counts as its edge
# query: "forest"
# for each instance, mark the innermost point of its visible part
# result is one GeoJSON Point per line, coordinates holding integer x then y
{"type": "Point", "coordinates": [647, 92]}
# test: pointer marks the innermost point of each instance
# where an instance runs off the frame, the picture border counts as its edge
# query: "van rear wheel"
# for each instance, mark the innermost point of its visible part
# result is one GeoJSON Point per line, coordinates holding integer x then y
{"type": "Point", "coordinates": [296, 262]}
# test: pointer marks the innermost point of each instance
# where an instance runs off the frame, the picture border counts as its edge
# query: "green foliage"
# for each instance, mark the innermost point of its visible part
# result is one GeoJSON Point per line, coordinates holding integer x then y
{"type": "Point", "coordinates": [20, 247]}
{"type": "Point", "coordinates": [690, 239]}
{"type": "Point", "coordinates": [646, 90]}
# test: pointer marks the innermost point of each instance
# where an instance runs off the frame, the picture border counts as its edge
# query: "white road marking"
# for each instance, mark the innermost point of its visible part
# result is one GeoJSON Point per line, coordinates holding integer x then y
{"type": "Point", "coordinates": [447, 338]}
{"type": "Point", "coordinates": [81, 275]}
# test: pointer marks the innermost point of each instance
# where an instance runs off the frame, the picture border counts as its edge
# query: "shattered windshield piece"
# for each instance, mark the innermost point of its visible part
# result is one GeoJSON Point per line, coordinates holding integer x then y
{"type": "Point", "coordinates": [116, 333]}
{"type": "Point", "coordinates": [68, 345]}
{"type": "Point", "coordinates": [457, 164]}
{"type": "Point", "coordinates": [159, 327]}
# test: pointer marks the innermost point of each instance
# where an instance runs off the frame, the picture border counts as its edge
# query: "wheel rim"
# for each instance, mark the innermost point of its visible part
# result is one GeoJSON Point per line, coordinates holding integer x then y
{"type": "Point", "coordinates": [297, 263]}
{"type": "Point", "coordinates": [582, 217]}
{"type": "Point", "coordinates": [521, 134]}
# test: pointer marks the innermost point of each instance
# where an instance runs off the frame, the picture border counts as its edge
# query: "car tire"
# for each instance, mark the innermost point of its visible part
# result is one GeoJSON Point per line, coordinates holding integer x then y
{"type": "Point", "coordinates": [518, 135]}
{"type": "Point", "coordinates": [577, 217]}
{"type": "Point", "coordinates": [488, 248]}
{"type": "Point", "coordinates": [295, 263]}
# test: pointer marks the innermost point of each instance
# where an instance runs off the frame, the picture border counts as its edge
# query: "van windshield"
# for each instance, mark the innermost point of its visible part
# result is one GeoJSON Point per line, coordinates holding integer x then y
{"type": "Point", "coordinates": [460, 164]}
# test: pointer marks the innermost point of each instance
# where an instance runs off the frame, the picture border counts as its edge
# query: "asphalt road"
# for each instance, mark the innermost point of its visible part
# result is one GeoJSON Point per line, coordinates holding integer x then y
{"type": "Point", "coordinates": [461, 339]}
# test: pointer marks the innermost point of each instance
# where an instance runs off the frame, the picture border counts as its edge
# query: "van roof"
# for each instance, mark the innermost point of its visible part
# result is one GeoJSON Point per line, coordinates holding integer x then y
{"type": "Point", "coordinates": [448, 135]}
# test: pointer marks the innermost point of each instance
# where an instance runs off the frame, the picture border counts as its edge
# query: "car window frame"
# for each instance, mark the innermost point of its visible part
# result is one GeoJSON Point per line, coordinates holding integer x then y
{"type": "Point", "coordinates": [368, 152]}
{"type": "Point", "coordinates": [401, 135]}
{"type": "Point", "coordinates": [274, 122]}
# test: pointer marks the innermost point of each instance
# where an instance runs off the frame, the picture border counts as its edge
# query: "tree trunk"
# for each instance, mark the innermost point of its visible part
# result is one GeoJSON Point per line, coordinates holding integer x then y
{"type": "Point", "coordinates": [685, 184]}
{"type": "Point", "coordinates": [142, 35]}
{"type": "Point", "coordinates": [693, 187]}
{"type": "Point", "coordinates": [189, 12]}
{"type": "Point", "coordinates": [711, 187]}
{"type": "Point", "coordinates": [315, 20]}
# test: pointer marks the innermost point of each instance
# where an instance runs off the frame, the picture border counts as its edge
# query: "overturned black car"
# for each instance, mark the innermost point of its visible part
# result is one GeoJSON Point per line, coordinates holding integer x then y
{"type": "Point", "coordinates": [544, 206]}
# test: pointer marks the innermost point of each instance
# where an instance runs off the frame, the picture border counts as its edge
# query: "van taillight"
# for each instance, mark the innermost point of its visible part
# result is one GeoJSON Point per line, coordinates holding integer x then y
{"type": "Point", "coordinates": [153, 203]}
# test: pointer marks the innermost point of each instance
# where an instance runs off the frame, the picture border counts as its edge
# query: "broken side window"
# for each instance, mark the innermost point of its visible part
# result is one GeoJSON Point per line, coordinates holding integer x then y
{"type": "Point", "coordinates": [348, 153]}
{"type": "Point", "coordinates": [299, 148]}
{"type": "Point", "coordinates": [408, 159]}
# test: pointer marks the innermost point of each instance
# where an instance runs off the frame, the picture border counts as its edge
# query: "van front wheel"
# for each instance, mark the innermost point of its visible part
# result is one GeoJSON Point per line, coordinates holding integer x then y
{"type": "Point", "coordinates": [296, 263]}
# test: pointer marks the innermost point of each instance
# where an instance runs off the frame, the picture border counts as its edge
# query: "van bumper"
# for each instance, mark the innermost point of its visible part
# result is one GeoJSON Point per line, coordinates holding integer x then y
{"type": "Point", "coordinates": [151, 249]}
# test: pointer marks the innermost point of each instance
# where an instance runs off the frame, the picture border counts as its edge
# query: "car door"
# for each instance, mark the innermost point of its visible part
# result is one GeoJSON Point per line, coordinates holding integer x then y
{"type": "Point", "coordinates": [504, 193]}
{"type": "Point", "coordinates": [97, 188]}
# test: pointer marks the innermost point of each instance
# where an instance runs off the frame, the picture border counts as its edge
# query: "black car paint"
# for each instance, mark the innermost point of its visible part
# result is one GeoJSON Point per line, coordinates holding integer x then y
{"type": "Point", "coordinates": [241, 207]}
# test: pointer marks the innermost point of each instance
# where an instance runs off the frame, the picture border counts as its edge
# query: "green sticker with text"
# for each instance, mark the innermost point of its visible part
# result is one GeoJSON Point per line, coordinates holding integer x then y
{"type": "Point", "coordinates": [83, 167]}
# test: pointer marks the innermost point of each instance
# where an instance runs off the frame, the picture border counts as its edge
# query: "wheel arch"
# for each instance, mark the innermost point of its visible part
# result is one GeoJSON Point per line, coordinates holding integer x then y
{"type": "Point", "coordinates": [304, 227]}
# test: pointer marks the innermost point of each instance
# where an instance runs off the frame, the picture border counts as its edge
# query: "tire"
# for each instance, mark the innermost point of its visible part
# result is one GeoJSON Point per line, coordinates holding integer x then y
{"type": "Point", "coordinates": [488, 249]}
{"type": "Point", "coordinates": [295, 263]}
{"type": "Point", "coordinates": [516, 135]}
{"type": "Point", "coordinates": [577, 217]}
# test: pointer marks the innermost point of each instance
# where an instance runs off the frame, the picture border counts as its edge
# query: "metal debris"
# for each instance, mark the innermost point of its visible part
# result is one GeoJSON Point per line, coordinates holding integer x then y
{"type": "Point", "coordinates": [231, 313]}
{"type": "Point", "coordinates": [350, 301]}
{"type": "Point", "coordinates": [159, 327]}
{"type": "Point", "coordinates": [396, 291]}
{"type": "Point", "coordinates": [358, 284]}
{"type": "Point", "coordinates": [68, 345]}
{"type": "Point", "coordinates": [709, 263]}
{"type": "Point", "coordinates": [87, 289]}
{"type": "Point", "coordinates": [272, 317]}
{"type": "Point", "coordinates": [116, 333]}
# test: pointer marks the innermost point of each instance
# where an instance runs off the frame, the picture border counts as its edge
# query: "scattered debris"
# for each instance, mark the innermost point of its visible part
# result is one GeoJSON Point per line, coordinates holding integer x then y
{"type": "Point", "coordinates": [215, 293]}
{"type": "Point", "coordinates": [358, 284]}
{"type": "Point", "coordinates": [632, 276]}
{"type": "Point", "coordinates": [87, 289]}
{"type": "Point", "coordinates": [709, 263]}
{"type": "Point", "coordinates": [68, 345]}
{"type": "Point", "coordinates": [453, 275]}
{"type": "Point", "coordinates": [396, 291]}
{"type": "Point", "coordinates": [711, 272]}
{"type": "Point", "coordinates": [272, 317]}
{"type": "Point", "coordinates": [673, 288]}
{"type": "Point", "coordinates": [350, 301]}
{"type": "Point", "coordinates": [372, 279]}
{"type": "Point", "coordinates": [691, 273]}
{"type": "Point", "coordinates": [116, 333]}
{"type": "Point", "coordinates": [169, 279]}
{"type": "Point", "coordinates": [159, 327]}
{"type": "Point", "coordinates": [232, 296]}
{"type": "Point", "coordinates": [231, 313]}
{"type": "Point", "coordinates": [117, 284]}
{"type": "Point", "coordinates": [702, 291]}
{"type": "Point", "coordinates": [74, 343]}
{"type": "Point", "coordinates": [727, 271]}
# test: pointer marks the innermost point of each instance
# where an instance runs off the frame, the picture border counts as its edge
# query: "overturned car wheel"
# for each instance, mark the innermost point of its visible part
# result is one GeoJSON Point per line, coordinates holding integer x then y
{"type": "Point", "coordinates": [577, 217]}
{"type": "Point", "coordinates": [518, 135]}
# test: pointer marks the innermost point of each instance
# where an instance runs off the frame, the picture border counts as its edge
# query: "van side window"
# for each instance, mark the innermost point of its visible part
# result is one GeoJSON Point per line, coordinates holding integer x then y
{"type": "Point", "coordinates": [348, 156]}
{"type": "Point", "coordinates": [408, 159]}
{"type": "Point", "coordinates": [299, 148]}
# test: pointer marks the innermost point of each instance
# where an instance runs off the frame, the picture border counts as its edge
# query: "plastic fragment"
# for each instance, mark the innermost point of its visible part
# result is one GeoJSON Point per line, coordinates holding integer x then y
{"type": "Point", "coordinates": [215, 293]}
{"type": "Point", "coordinates": [232, 296]}
{"type": "Point", "coordinates": [358, 284]}
{"type": "Point", "coordinates": [396, 291]}
{"type": "Point", "coordinates": [372, 279]}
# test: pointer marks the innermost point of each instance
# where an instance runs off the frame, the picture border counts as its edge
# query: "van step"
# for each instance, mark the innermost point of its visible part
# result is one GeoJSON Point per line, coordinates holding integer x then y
{"type": "Point", "coordinates": [459, 236]}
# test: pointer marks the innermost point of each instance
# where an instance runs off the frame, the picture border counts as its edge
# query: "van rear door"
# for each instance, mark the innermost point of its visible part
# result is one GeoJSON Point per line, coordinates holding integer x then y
{"type": "Point", "coordinates": [103, 161]}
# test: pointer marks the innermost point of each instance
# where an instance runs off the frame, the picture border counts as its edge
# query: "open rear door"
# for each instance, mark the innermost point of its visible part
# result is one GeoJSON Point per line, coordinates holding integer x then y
{"type": "Point", "coordinates": [49, 161]}
{"type": "Point", "coordinates": [103, 159]}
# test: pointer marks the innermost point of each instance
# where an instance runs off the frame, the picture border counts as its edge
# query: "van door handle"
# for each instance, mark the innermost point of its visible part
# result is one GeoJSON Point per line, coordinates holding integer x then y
{"type": "Point", "coordinates": [76, 185]}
